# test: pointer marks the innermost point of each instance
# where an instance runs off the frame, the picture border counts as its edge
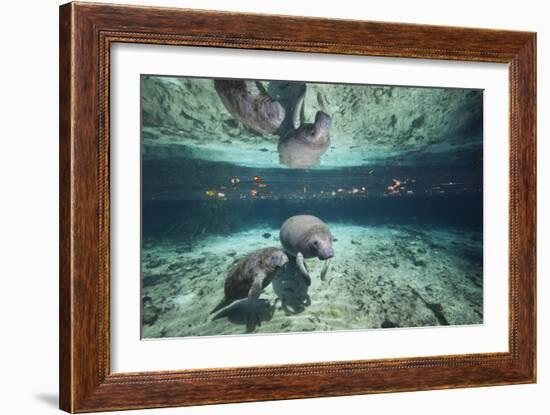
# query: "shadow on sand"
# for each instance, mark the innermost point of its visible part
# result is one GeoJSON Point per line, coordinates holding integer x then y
{"type": "Point", "coordinates": [249, 313]}
{"type": "Point", "coordinates": [292, 290]}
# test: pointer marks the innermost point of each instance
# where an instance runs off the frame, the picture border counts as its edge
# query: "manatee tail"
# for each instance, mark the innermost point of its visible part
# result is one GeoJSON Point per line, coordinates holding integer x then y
{"type": "Point", "coordinates": [224, 303]}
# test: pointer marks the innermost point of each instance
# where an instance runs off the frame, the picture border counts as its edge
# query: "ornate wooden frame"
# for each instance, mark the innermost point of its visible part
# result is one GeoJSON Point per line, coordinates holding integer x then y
{"type": "Point", "coordinates": [86, 33]}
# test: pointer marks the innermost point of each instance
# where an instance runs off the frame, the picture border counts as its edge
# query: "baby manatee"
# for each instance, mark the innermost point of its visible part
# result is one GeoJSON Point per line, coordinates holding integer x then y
{"type": "Point", "coordinates": [253, 273]}
{"type": "Point", "coordinates": [249, 102]}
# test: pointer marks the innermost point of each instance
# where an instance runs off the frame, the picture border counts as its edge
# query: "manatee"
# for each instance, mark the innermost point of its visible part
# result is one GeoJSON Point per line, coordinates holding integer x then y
{"type": "Point", "coordinates": [306, 236]}
{"type": "Point", "coordinates": [252, 274]}
{"type": "Point", "coordinates": [304, 145]}
{"type": "Point", "coordinates": [249, 102]}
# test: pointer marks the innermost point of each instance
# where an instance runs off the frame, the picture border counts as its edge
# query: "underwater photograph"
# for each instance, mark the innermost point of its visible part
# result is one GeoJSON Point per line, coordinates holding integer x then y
{"type": "Point", "coordinates": [274, 206]}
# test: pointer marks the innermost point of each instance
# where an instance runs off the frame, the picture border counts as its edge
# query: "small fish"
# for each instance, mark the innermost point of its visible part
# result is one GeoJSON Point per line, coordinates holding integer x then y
{"type": "Point", "coordinates": [266, 235]}
{"type": "Point", "coordinates": [396, 186]}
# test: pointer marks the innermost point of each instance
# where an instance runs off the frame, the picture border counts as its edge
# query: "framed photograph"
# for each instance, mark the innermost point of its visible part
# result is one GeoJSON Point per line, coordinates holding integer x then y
{"type": "Point", "coordinates": [259, 207]}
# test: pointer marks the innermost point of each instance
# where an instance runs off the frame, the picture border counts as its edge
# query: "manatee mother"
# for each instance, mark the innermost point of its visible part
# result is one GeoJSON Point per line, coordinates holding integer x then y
{"type": "Point", "coordinates": [306, 236]}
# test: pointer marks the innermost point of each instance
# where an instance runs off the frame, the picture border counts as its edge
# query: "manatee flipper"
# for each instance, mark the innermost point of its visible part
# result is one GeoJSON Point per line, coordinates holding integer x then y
{"type": "Point", "coordinates": [253, 319]}
{"type": "Point", "coordinates": [302, 267]}
{"type": "Point", "coordinates": [321, 102]}
{"type": "Point", "coordinates": [256, 287]}
{"type": "Point", "coordinates": [325, 269]}
{"type": "Point", "coordinates": [297, 115]}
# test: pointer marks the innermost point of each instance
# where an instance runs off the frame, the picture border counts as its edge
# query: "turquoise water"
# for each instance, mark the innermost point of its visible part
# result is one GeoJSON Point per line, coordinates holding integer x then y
{"type": "Point", "coordinates": [399, 186]}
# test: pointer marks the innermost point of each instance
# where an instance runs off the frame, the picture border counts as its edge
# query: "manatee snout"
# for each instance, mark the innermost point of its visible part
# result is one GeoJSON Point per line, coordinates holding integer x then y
{"type": "Point", "coordinates": [278, 259]}
{"type": "Point", "coordinates": [322, 120]}
{"type": "Point", "coordinates": [325, 253]}
{"type": "Point", "coordinates": [322, 248]}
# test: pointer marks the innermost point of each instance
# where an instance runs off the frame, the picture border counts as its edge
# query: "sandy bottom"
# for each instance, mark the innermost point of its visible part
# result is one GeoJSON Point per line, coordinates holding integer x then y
{"type": "Point", "coordinates": [380, 277]}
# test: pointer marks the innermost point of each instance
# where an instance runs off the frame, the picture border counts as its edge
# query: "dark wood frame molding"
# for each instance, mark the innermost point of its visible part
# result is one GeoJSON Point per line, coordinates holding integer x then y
{"type": "Point", "coordinates": [86, 33]}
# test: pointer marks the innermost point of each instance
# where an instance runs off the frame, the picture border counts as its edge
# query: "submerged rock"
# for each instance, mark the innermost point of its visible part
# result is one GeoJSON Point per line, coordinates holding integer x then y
{"type": "Point", "coordinates": [437, 309]}
{"type": "Point", "coordinates": [157, 262]}
{"type": "Point", "coordinates": [387, 324]}
{"type": "Point", "coordinates": [149, 313]}
{"type": "Point", "coordinates": [419, 262]}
